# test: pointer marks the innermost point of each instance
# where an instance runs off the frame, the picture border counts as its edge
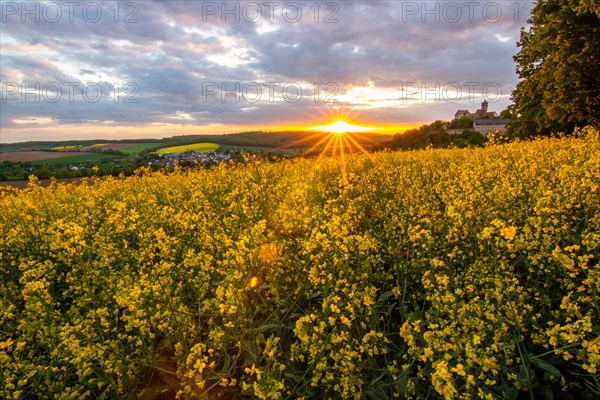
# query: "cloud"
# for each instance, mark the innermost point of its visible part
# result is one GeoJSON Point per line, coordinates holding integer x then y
{"type": "Point", "coordinates": [160, 62]}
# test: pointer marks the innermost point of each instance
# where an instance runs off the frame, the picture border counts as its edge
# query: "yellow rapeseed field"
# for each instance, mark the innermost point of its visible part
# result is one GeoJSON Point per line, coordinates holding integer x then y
{"type": "Point", "coordinates": [457, 273]}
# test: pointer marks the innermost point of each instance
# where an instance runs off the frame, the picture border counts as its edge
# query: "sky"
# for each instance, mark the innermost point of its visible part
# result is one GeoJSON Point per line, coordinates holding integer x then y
{"type": "Point", "coordinates": [150, 69]}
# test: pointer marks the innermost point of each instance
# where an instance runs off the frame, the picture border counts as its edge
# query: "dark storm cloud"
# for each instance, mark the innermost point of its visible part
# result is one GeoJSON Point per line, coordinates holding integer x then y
{"type": "Point", "coordinates": [172, 51]}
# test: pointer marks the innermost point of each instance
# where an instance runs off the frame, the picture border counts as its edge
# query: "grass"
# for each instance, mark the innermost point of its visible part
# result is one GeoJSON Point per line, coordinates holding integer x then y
{"type": "Point", "coordinates": [196, 147]}
{"type": "Point", "coordinates": [13, 149]}
{"type": "Point", "coordinates": [138, 147]}
{"type": "Point", "coordinates": [74, 159]}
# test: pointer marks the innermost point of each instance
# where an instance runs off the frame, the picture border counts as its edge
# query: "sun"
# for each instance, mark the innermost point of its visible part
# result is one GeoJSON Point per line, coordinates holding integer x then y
{"type": "Point", "coordinates": [340, 127]}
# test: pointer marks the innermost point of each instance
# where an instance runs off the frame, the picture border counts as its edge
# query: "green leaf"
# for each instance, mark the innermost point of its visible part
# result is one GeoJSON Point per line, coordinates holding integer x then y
{"type": "Point", "coordinates": [293, 377]}
{"type": "Point", "coordinates": [546, 366]}
{"type": "Point", "coordinates": [249, 351]}
{"type": "Point", "coordinates": [385, 296]}
{"type": "Point", "coordinates": [401, 383]}
{"type": "Point", "coordinates": [270, 327]}
{"type": "Point", "coordinates": [523, 378]}
{"type": "Point", "coordinates": [376, 394]}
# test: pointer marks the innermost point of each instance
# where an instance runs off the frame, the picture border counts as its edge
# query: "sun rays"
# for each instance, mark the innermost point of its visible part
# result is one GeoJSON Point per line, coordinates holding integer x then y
{"type": "Point", "coordinates": [337, 139]}
{"type": "Point", "coordinates": [340, 127]}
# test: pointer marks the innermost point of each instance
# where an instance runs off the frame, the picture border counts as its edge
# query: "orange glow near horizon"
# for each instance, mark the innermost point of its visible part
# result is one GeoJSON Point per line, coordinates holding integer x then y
{"type": "Point", "coordinates": [341, 126]}
{"type": "Point", "coordinates": [331, 120]}
{"type": "Point", "coordinates": [42, 129]}
{"type": "Point", "coordinates": [344, 135]}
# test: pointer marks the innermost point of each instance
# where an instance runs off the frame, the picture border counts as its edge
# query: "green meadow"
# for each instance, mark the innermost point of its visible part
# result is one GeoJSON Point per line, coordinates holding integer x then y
{"type": "Point", "coordinates": [76, 158]}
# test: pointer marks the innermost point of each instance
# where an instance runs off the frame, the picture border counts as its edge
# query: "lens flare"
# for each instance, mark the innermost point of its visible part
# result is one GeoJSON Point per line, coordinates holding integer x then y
{"type": "Point", "coordinates": [253, 282]}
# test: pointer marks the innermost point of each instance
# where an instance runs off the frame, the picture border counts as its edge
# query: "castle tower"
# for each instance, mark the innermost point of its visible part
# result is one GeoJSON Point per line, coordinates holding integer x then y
{"type": "Point", "coordinates": [484, 106]}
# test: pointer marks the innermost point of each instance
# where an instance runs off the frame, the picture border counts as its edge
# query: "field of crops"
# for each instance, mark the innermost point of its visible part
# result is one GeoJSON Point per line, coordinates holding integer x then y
{"type": "Point", "coordinates": [196, 147]}
{"type": "Point", "coordinates": [135, 148]}
{"type": "Point", "coordinates": [459, 273]}
{"type": "Point", "coordinates": [127, 148]}
{"type": "Point", "coordinates": [46, 157]}
{"type": "Point", "coordinates": [65, 148]}
{"type": "Point", "coordinates": [75, 158]}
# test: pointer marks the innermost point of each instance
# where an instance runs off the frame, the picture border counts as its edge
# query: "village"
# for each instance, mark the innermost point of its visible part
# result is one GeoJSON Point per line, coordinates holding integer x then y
{"type": "Point", "coordinates": [191, 157]}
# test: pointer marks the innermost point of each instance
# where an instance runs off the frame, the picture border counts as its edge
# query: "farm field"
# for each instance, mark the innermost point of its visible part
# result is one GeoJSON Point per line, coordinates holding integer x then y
{"type": "Point", "coordinates": [440, 274]}
{"type": "Point", "coordinates": [64, 148]}
{"type": "Point", "coordinates": [135, 148]}
{"type": "Point", "coordinates": [74, 158]}
{"type": "Point", "coordinates": [45, 164]}
{"type": "Point", "coordinates": [75, 153]}
{"type": "Point", "coordinates": [196, 147]}
{"type": "Point", "coordinates": [41, 156]}
{"type": "Point", "coordinates": [128, 148]}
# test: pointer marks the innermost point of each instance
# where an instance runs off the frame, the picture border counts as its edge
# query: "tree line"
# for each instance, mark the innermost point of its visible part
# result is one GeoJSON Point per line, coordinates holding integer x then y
{"type": "Point", "coordinates": [559, 64]}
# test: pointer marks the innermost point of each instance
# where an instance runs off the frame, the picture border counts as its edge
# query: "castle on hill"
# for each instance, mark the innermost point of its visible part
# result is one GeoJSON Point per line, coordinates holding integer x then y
{"type": "Point", "coordinates": [484, 121]}
{"type": "Point", "coordinates": [480, 113]}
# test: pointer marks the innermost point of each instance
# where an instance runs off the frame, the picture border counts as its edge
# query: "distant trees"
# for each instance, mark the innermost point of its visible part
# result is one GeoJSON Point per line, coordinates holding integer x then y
{"type": "Point", "coordinates": [45, 173]}
{"type": "Point", "coordinates": [434, 135]}
{"type": "Point", "coordinates": [101, 150]}
{"type": "Point", "coordinates": [461, 123]}
{"type": "Point", "coordinates": [559, 62]}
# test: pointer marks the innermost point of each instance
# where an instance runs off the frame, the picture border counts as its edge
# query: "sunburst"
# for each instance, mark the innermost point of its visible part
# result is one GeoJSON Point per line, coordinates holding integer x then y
{"type": "Point", "coordinates": [341, 127]}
